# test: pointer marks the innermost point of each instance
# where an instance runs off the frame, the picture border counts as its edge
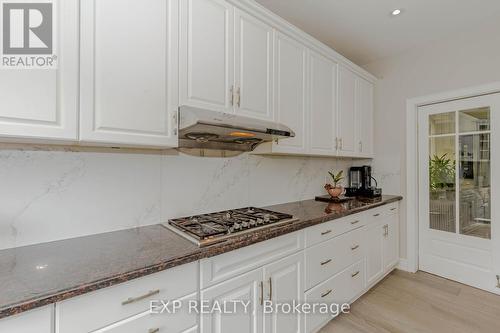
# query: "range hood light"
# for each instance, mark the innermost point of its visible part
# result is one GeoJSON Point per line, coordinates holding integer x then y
{"type": "Point", "coordinates": [242, 134]}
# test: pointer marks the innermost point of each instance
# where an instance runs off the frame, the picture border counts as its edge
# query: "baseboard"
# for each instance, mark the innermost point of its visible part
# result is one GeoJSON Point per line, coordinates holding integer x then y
{"type": "Point", "coordinates": [403, 265]}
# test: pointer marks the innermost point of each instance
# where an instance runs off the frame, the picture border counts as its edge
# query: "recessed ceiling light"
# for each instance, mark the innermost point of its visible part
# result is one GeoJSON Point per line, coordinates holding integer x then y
{"type": "Point", "coordinates": [396, 12]}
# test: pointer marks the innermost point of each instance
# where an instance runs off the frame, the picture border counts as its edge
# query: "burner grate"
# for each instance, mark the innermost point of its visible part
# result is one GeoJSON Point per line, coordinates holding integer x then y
{"type": "Point", "coordinates": [214, 225]}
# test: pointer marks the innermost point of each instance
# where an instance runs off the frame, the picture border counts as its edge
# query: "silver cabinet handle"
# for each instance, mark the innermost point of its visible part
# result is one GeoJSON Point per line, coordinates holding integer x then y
{"type": "Point", "coordinates": [326, 262]}
{"type": "Point", "coordinates": [336, 143]}
{"type": "Point", "coordinates": [327, 293]}
{"type": "Point", "coordinates": [355, 222]}
{"type": "Point", "coordinates": [261, 293]}
{"type": "Point", "coordinates": [393, 209]}
{"type": "Point", "coordinates": [153, 330]}
{"type": "Point", "coordinates": [498, 281]}
{"type": "Point", "coordinates": [238, 97]}
{"type": "Point", "coordinates": [386, 230]}
{"type": "Point", "coordinates": [326, 232]}
{"type": "Point", "coordinates": [375, 215]}
{"type": "Point", "coordinates": [355, 247]}
{"type": "Point", "coordinates": [341, 143]}
{"type": "Point", "coordinates": [231, 91]}
{"type": "Point", "coordinates": [136, 299]}
{"type": "Point", "coordinates": [270, 288]}
{"type": "Point", "coordinates": [355, 274]}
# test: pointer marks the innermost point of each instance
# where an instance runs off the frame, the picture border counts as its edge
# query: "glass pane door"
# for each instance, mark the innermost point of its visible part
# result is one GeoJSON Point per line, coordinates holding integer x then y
{"type": "Point", "coordinates": [467, 132]}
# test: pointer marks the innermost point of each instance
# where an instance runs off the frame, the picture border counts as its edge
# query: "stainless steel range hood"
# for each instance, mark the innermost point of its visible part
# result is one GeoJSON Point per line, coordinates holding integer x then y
{"type": "Point", "coordinates": [204, 129]}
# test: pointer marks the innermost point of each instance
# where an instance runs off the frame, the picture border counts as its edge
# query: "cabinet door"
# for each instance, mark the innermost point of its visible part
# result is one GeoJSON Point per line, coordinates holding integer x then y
{"type": "Point", "coordinates": [206, 54]}
{"type": "Point", "coordinates": [323, 100]}
{"type": "Point", "coordinates": [253, 66]}
{"type": "Point", "coordinates": [290, 90]}
{"type": "Point", "coordinates": [391, 239]}
{"type": "Point", "coordinates": [128, 72]}
{"type": "Point", "coordinates": [34, 321]}
{"type": "Point", "coordinates": [347, 125]}
{"type": "Point", "coordinates": [42, 104]}
{"type": "Point", "coordinates": [246, 287]}
{"type": "Point", "coordinates": [364, 111]}
{"type": "Point", "coordinates": [374, 249]}
{"type": "Point", "coordinates": [284, 283]}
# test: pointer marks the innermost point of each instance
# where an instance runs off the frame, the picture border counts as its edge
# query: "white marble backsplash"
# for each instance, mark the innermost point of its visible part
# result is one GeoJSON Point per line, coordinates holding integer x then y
{"type": "Point", "coordinates": [53, 193]}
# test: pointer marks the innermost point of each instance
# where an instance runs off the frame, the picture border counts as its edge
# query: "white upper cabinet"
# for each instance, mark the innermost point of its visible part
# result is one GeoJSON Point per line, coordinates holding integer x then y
{"type": "Point", "coordinates": [355, 116]}
{"type": "Point", "coordinates": [253, 66]}
{"type": "Point", "coordinates": [347, 119]}
{"type": "Point", "coordinates": [206, 55]}
{"type": "Point", "coordinates": [128, 72]}
{"type": "Point", "coordinates": [290, 93]}
{"type": "Point", "coordinates": [364, 112]}
{"type": "Point", "coordinates": [323, 105]}
{"type": "Point", "coordinates": [42, 104]}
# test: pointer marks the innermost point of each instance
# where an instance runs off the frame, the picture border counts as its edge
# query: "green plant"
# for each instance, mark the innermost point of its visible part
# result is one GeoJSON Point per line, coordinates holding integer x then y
{"type": "Point", "coordinates": [336, 177]}
{"type": "Point", "coordinates": [441, 172]}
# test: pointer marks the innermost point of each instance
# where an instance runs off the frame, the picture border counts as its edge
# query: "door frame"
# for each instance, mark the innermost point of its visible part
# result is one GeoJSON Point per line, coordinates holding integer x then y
{"type": "Point", "coordinates": [411, 202]}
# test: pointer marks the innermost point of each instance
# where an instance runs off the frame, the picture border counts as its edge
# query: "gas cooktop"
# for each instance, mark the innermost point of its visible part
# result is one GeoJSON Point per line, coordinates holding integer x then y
{"type": "Point", "coordinates": [207, 229]}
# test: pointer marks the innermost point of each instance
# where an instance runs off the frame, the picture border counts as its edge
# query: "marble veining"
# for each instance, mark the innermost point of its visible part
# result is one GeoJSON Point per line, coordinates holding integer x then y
{"type": "Point", "coordinates": [37, 275]}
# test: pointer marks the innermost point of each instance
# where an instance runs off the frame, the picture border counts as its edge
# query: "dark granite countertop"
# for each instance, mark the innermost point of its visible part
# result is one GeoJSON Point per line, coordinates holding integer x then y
{"type": "Point", "coordinates": [37, 275]}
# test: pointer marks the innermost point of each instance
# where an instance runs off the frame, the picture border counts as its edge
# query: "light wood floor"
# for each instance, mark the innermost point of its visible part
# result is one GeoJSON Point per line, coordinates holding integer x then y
{"type": "Point", "coordinates": [421, 302]}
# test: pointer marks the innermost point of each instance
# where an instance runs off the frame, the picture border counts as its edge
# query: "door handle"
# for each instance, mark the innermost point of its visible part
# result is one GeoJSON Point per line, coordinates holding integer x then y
{"type": "Point", "coordinates": [325, 232]}
{"type": "Point", "coordinates": [153, 330]}
{"type": "Point", "coordinates": [498, 281]}
{"type": "Point", "coordinates": [231, 91]}
{"type": "Point", "coordinates": [355, 247]}
{"type": "Point", "coordinates": [355, 274]}
{"type": "Point", "coordinates": [355, 222]}
{"type": "Point", "coordinates": [238, 97]}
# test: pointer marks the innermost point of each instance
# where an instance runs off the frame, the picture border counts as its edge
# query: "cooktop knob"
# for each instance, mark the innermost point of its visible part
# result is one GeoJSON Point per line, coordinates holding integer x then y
{"type": "Point", "coordinates": [236, 226]}
{"type": "Point", "coordinates": [253, 223]}
{"type": "Point", "coordinates": [260, 221]}
{"type": "Point", "coordinates": [267, 218]}
{"type": "Point", "coordinates": [244, 224]}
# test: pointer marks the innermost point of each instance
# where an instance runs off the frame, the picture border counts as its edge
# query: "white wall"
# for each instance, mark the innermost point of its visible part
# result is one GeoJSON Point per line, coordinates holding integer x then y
{"type": "Point", "coordinates": [51, 193]}
{"type": "Point", "coordinates": [461, 61]}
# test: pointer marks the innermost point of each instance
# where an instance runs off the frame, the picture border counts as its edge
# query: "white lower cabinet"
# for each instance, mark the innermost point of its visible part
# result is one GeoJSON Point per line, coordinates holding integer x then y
{"type": "Point", "coordinates": [103, 308]}
{"type": "Point", "coordinates": [147, 322]}
{"type": "Point", "coordinates": [382, 243]}
{"type": "Point", "coordinates": [342, 288]}
{"type": "Point", "coordinates": [277, 282]}
{"type": "Point", "coordinates": [244, 288]}
{"type": "Point", "coordinates": [356, 252]}
{"type": "Point", "coordinates": [285, 284]}
{"type": "Point", "coordinates": [34, 321]}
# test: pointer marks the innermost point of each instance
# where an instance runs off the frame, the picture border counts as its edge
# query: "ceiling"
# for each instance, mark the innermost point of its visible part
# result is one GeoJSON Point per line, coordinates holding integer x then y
{"type": "Point", "coordinates": [365, 30]}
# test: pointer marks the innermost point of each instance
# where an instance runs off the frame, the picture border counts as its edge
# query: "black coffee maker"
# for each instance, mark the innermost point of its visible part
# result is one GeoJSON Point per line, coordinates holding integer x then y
{"type": "Point", "coordinates": [360, 183]}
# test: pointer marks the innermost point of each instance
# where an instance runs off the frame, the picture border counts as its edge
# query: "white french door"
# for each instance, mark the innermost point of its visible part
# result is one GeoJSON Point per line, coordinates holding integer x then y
{"type": "Point", "coordinates": [459, 177]}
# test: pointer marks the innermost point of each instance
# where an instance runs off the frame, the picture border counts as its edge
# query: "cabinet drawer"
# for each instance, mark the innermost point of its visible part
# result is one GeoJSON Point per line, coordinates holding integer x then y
{"type": "Point", "coordinates": [110, 305]}
{"type": "Point", "coordinates": [328, 230]}
{"type": "Point", "coordinates": [34, 321]}
{"type": "Point", "coordinates": [328, 258]}
{"type": "Point", "coordinates": [180, 322]}
{"type": "Point", "coordinates": [342, 288]}
{"type": "Point", "coordinates": [222, 267]}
